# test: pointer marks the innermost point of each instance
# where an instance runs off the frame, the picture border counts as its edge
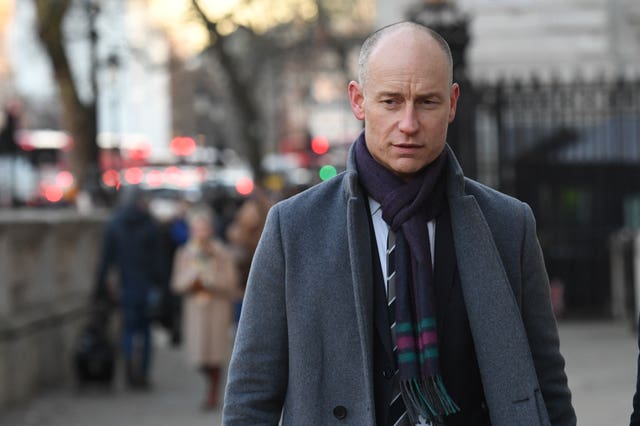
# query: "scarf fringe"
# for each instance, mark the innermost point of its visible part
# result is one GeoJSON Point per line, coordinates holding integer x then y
{"type": "Point", "coordinates": [427, 398]}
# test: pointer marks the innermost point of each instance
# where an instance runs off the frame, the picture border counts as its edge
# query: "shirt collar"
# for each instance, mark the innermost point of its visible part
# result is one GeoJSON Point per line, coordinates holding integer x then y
{"type": "Point", "coordinates": [375, 207]}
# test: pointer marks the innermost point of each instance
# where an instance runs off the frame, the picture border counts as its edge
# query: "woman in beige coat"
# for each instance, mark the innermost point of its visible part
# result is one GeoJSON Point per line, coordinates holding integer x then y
{"type": "Point", "coordinates": [205, 274]}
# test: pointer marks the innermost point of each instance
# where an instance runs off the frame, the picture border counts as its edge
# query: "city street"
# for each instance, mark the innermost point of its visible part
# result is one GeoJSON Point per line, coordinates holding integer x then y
{"type": "Point", "coordinates": [601, 365]}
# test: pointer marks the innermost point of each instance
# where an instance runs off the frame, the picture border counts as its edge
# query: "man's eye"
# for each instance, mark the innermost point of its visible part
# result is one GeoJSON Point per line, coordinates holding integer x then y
{"type": "Point", "coordinates": [389, 101]}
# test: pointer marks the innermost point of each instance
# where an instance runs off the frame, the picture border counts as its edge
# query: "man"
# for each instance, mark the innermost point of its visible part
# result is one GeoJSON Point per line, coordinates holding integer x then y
{"type": "Point", "coordinates": [130, 244]}
{"type": "Point", "coordinates": [399, 292]}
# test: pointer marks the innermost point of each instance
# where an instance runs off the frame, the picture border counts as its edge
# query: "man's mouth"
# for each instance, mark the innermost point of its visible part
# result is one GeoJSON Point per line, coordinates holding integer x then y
{"type": "Point", "coordinates": [406, 146]}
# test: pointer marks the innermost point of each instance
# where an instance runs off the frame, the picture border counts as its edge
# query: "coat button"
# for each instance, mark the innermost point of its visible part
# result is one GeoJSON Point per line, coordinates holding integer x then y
{"type": "Point", "coordinates": [340, 412]}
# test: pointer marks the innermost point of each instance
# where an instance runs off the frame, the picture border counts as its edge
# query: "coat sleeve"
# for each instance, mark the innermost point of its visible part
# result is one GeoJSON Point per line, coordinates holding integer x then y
{"type": "Point", "coordinates": [258, 372]}
{"type": "Point", "coordinates": [541, 328]}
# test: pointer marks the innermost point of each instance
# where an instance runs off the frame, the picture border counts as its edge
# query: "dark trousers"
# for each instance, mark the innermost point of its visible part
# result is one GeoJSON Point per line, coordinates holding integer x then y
{"type": "Point", "coordinates": [136, 340]}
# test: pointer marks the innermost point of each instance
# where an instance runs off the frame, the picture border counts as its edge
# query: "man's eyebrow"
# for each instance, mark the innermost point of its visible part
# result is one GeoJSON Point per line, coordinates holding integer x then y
{"type": "Point", "coordinates": [391, 94]}
{"type": "Point", "coordinates": [430, 95]}
{"type": "Point", "coordinates": [387, 94]}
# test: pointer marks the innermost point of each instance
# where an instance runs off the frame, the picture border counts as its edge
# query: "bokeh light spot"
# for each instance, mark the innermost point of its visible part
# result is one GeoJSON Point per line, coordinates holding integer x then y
{"type": "Point", "coordinates": [111, 178]}
{"type": "Point", "coordinates": [244, 186]}
{"type": "Point", "coordinates": [134, 175]}
{"type": "Point", "coordinates": [320, 145]}
{"type": "Point", "coordinates": [155, 178]}
{"type": "Point", "coordinates": [53, 194]}
{"type": "Point", "coordinates": [327, 172]}
{"type": "Point", "coordinates": [64, 179]}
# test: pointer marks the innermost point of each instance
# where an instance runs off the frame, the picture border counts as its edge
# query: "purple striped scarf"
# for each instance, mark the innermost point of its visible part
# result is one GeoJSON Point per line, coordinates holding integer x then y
{"type": "Point", "coordinates": [407, 207]}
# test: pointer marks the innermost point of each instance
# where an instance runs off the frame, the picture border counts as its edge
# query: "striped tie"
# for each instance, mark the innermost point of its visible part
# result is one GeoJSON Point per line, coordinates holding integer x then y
{"type": "Point", "coordinates": [397, 412]}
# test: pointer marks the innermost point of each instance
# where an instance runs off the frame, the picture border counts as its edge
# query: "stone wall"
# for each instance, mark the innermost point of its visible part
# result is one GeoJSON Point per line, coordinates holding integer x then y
{"type": "Point", "coordinates": [48, 262]}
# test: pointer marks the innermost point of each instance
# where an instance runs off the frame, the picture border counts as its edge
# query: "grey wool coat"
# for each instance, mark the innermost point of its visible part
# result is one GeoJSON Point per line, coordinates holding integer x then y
{"type": "Point", "coordinates": [303, 351]}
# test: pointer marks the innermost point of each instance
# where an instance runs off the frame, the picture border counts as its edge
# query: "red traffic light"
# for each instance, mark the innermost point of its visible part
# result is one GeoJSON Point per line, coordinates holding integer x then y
{"type": "Point", "coordinates": [182, 146]}
{"type": "Point", "coordinates": [319, 145]}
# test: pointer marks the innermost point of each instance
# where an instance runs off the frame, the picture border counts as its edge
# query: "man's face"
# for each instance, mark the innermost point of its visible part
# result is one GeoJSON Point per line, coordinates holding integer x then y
{"type": "Point", "coordinates": [406, 101]}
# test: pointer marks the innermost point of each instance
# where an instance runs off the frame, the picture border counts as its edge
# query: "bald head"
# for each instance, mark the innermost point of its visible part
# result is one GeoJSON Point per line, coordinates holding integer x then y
{"type": "Point", "coordinates": [410, 28]}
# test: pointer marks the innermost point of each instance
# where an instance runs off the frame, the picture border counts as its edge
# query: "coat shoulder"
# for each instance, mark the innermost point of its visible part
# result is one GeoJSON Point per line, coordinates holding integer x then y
{"type": "Point", "coordinates": [319, 199]}
{"type": "Point", "coordinates": [488, 195]}
{"type": "Point", "coordinates": [493, 203]}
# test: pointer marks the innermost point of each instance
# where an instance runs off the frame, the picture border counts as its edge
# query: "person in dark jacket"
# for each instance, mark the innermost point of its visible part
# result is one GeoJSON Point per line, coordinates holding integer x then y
{"type": "Point", "coordinates": [131, 245]}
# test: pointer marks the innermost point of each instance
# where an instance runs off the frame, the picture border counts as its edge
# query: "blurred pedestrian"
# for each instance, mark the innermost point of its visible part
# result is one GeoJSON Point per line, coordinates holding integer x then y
{"type": "Point", "coordinates": [244, 233]}
{"type": "Point", "coordinates": [9, 155]}
{"type": "Point", "coordinates": [204, 272]}
{"type": "Point", "coordinates": [179, 229]}
{"type": "Point", "coordinates": [130, 244]}
{"type": "Point", "coordinates": [174, 232]}
{"type": "Point", "coordinates": [245, 230]}
{"type": "Point", "coordinates": [399, 292]}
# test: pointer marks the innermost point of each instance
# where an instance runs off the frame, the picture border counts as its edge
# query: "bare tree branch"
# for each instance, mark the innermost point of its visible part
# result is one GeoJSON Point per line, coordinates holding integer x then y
{"type": "Point", "coordinates": [80, 118]}
{"type": "Point", "coordinates": [240, 91]}
{"type": "Point", "coordinates": [282, 44]}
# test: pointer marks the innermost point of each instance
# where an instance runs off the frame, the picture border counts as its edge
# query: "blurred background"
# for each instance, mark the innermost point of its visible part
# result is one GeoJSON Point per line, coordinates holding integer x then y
{"type": "Point", "coordinates": [227, 103]}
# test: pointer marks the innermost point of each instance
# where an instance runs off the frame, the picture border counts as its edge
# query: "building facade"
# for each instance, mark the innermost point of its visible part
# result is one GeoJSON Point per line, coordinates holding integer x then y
{"type": "Point", "coordinates": [132, 71]}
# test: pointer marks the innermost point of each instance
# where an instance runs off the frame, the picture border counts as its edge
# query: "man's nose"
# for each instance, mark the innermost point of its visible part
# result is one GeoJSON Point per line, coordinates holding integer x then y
{"type": "Point", "coordinates": [409, 120]}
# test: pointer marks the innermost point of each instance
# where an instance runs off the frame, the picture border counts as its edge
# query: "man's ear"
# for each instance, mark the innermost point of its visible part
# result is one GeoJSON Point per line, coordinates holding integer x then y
{"type": "Point", "coordinates": [453, 101]}
{"type": "Point", "coordinates": [356, 98]}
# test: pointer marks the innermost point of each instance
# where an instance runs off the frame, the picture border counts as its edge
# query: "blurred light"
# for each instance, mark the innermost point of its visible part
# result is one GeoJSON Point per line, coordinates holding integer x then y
{"type": "Point", "coordinates": [140, 152]}
{"type": "Point", "coordinates": [182, 146]}
{"type": "Point", "coordinates": [134, 175]}
{"type": "Point", "coordinates": [64, 179]}
{"type": "Point", "coordinates": [172, 175]}
{"type": "Point", "coordinates": [53, 194]}
{"type": "Point", "coordinates": [202, 173]}
{"type": "Point", "coordinates": [68, 146]}
{"type": "Point", "coordinates": [26, 145]}
{"type": "Point", "coordinates": [155, 178]}
{"type": "Point", "coordinates": [44, 139]}
{"type": "Point", "coordinates": [111, 178]}
{"type": "Point", "coordinates": [244, 186]}
{"type": "Point", "coordinates": [185, 180]}
{"type": "Point", "coordinates": [327, 172]}
{"type": "Point", "coordinates": [319, 145]}
{"type": "Point", "coordinates": [274, 182]}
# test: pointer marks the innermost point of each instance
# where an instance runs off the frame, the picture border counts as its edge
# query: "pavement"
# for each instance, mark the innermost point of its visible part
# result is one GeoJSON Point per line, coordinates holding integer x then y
{"type": "Point", "coordinates": [601, 365]}
{"type": "Point", "coordinates": [601, 361]}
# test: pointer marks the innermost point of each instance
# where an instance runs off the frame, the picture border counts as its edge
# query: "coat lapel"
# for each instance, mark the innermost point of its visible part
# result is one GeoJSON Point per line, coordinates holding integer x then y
{"type": "Point", "coordinates": [497, 329]}
{"type": "Point", "coordinates": [498, 332]}
{"type": "Point", "coordinates": [361, 271]}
